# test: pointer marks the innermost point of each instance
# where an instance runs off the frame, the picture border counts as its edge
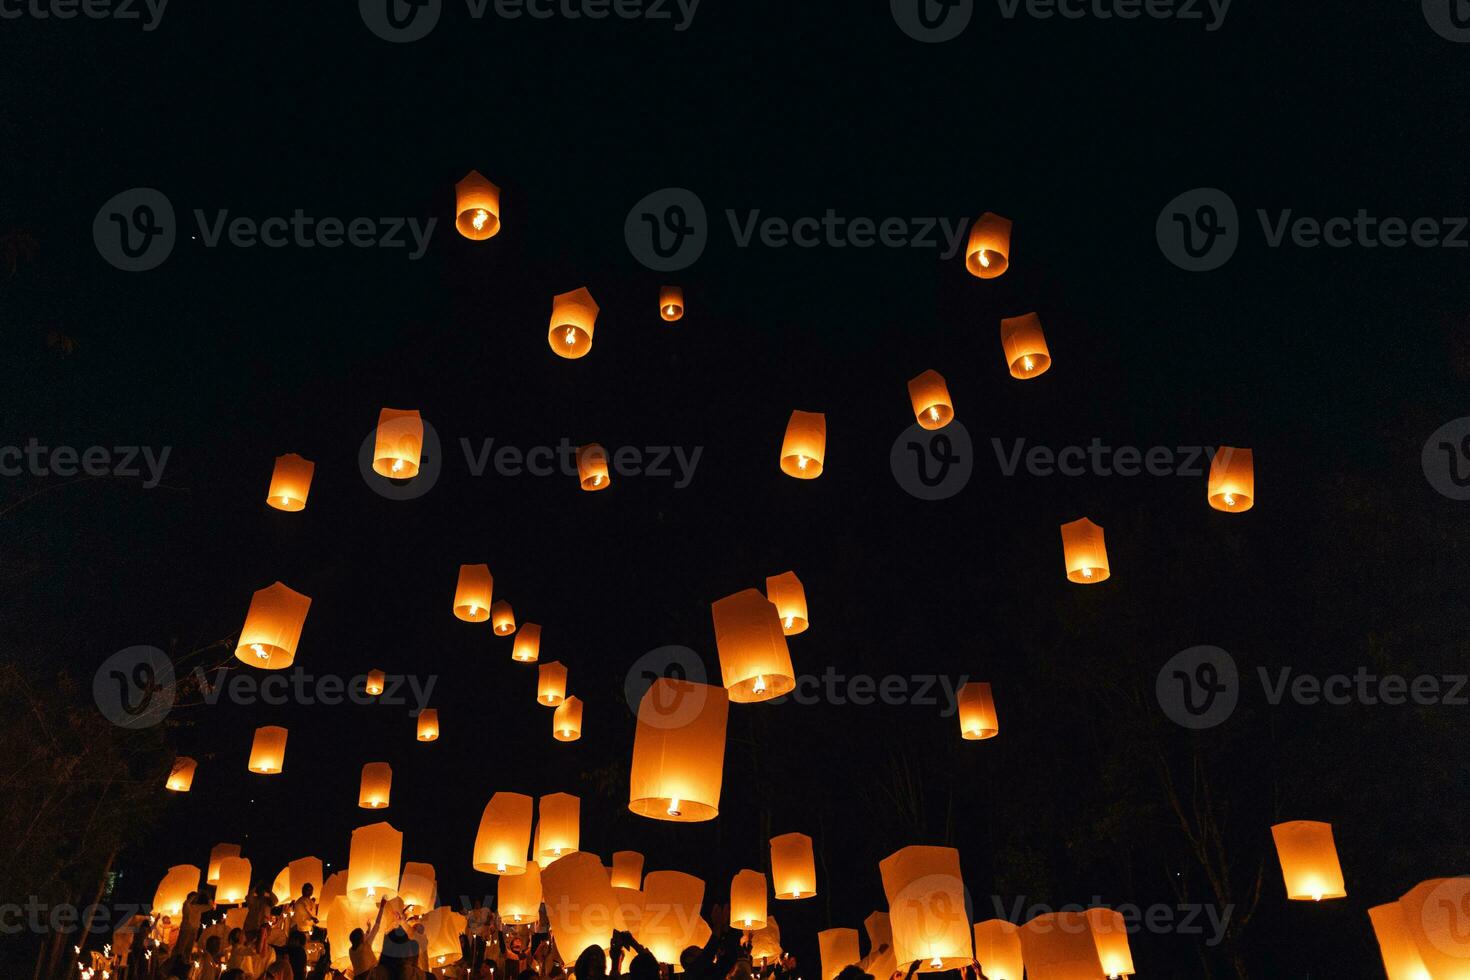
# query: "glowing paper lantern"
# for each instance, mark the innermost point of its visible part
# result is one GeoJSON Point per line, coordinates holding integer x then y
{"type": "Point", "coordinates": [628, 914]}
{"type": "Point", "coordinates": [793, 868]}
{"type": "Point", "coordinates": [880, 961]}
{"type": "Point", "coordinates": [376, 786]}
{"type": "Point", "coordinates": [442, 928]}
{"type": "Point", "coordinates": [765, 944]}
{"type": "Point", "coordinates": [566, 724]}
{"type": "Point", "coordinates": [1401, 959]}
{"type": "Point", "coordinates": [1110, 936]}
{"type": "Point", "coordinates": [573, 317]}
{"type": "Point", "coordinates": [977, 711]}
{"type": "Point", "coordinates": [342, 915]}
{"type": "Point", "coordinates": [428, 725]}
{"type": "Point", "coordinates": [1233, 480]}
{"type": "Point", "coordinates": [579, 903]}
{"type": "Point", "coordinates": [290, 482]}
{"type": "Point", "coordinates": [1059, 946]}
{"type": "Point", "coordinates": [671, 303]}
{"type": "Point", "coordinates": [748, 900]}
{"type": "Point", "coordinates": [1308, 860]}
{"type": "Point", "coordinates": [1434, 914]}
{"type": "Point", "coordinates": [560, 825]}
{"type": "Point", "coordinates": [627, 869]}
{"type": "Point", "coordinates": [804, 449]}
{"type": "Point", "coordinates": [929, 395]}
{"type": "Point", "coordinates": [670, 915]}
{"type": "Point", "coordinates": [1084, 552]}
{"type": "Point", "coordinates": [476, 207]}
{"type": "Point", "coordinates": [1024, 345]}
{"type": "Point", "coordinates": [504, 835]}
{"type": "Point", "coordinates": [787, 594]}
{"type": "Point", "coordinates": [472, 594]}
{"type": "Point", "coordinates": [592, 467]}
{"type": "Point", "coordinates": [268, 751]}
{"type": "Point", "coordinates": [177, 883]}
{"type": "Point", "coordinates": [754, 661]}
{"type": "Point", "coordinates": [234, 881]}
{"type": "Point", "coordinates": [281, 887]}
{"type": "Point", "coordinates": [989, 252]}
{"type": "Point", "coordinates": [998, 949]}
{"type": "Point", "coordinates": [335, 887]}
{"type": "Point", "coordinates": [519, 896]}
{"type": "Point", "coordinates": [373, 861]}
{"type": "Point", "coordinates": [217, 854]}
{"type": "Point", "coordinates": [926, 907]}
{"type": "Point", "coordinates": [679, 751]}
{"type": "Point", "coordinates": [528, 644]}
{"type": "Point", "coordinates": [839, 949]}
{"type": "Point", "coordinates": [418, 886]}
{"type": "Point", "coordinates": [551, 683]}
{"type": "Point", "coordinates": [398, 443]}
{"type": "Point", "coordinates": [299, 873]}
{"type": "Point", "coordinates": [181, 776]}
{"type": "Point", "coordinates": [374, 683]}
{"type": "Point", "coordinates": [502, 618]}
{"type": "Point", "coordinates": [272, 627]}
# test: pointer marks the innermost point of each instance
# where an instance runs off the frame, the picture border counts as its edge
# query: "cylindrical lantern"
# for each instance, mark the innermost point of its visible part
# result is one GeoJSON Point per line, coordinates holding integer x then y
{"type": "Point", "coordinates": [299, 873]}
{"type": "Point", "coordinates": [679, 751]}
{"type": "Point", "coordinates": [1232, 480]}
{"type": "Point", "coordinates": [754, 661]}
{"type": "Point", "coordinates": [268, 750]}
{"type": "Point", "coordinates": [472, 594]}
{"type": "Point", "coordinates": [234, 881]}
{"type": "Point", "coordinates": [374, 683]}
{"type": "Point", "coordinates": [671, 303]}
{"type": "Point", "coordinates": [804, 449]}
{"type": "Point", "coordinates": [398, 443]}
{"type": "Point", "coordinates": [217, 854]}
{"type": "Point", "coordinates": [181, 776]}
{"type": "Point", "coordinates": [566, 724]}
{"type": "Point", "coordinates": [765, 945]}
{"type": "Point", "coordinates": [787, 594]}
{"type": "Point", "coordinates": [476, 207]}
{"type": "Point", "coordinates": [1059, 946]}
{"type": "Point", "coordinates": [377, 784]}
{"type": "Point", "coordinates": [748, 900]}
{"type": "Point", "coordinates": [290, 482]}
{"type": "Point", "coordinates": [334, 887]}
{"type": "Point", "coordinates": [551, 683]}
{"type": "Point", "coordinates": [989, 251]}
{"type": "Point", "coordinates": [1024, 345]}
{"type": "Point", "coordinates": [670, 914]}
{"type": "Point", "coordinates": [418, 886]}
{"type": "Point", "coordinates": [519, 896]}
{"type": "Point", "coordinates": [977, 711]}
{"type": "Point", "coordinates": [793, 868]}
{"type": "Point", "coordinates": [628, 914]}
{"type": "Point", "coordinates": [627, 869]}
{"type": "Point", "coordinates": [929, 396]}
{"type": "Point", "coordinates": [1084, 552]}
{"type": "Point", "coordinates": [373, 861]}
{"type": "Point", "coordinates": [1401, 959]}
{"type": "Point", "coordinates": [272, 627]}
{"type": "Point", "coordinates": [880, 961]}
{"type": "Point", "coordinates": [428, 726]}
{"type": "Point", "coordinates": [504, 835]}
{"type": "Point", "coordinates": [573, 317]}
{"type": "Point", "coordinates": [1308, 860]}
{"type": "Point", "coordinates": [1110, 936]}
{"type": "Point", "coordinates": [998, 949]}
{"type": "Point", "coordinates": [592, 467]}
{"type": "Point", "coordinates": [559, 825]}
{"type": "Point", "coordinates": [838, 949]}
{"type": "Point", "coordinates": [926, 907]}
{"type": "Point", "coordinates": [176, 885]}
{"type": "Point", "coordinates": [580, 903]}
{"type": "Point", "coordinates": [528, 644]}
{"type": "Point", "coordinates": [502, 618]}
{"type": "Point", "coordinates": [1433, 913]}
{"type": "Point", "coordinates": [442, 928]}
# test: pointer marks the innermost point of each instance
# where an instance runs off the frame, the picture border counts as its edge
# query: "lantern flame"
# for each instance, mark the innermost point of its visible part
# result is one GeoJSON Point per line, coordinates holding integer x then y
{"type": "Point", "coordinates": [1027, 363]}
{"type": "Point", "coordinates": [1229, 500]}
{"type": "Point", "coordinates": [571, 335]}
{"type": "Point", "coordinates": [760, 685]}
{"type": "Point", "coordinates": [481, 216]}
{"type": "Point", "coordinates": [397, 465]}
{"type": "Point", "coordinates": [260, 651]}
{"type": "Point", "coordinates": [984, 259]}
{"type": "Point", "coordinates": [674, 807]}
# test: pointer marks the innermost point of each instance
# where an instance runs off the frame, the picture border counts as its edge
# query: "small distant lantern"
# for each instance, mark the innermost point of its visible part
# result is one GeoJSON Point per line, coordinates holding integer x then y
{"type": "Point", "coordinates": [788, 595]}
{"type": "Point", "coordinates": [592, 467]}
{"type": "Point", "coordinates": [376, 786]}
{"type": "Point", "coordinates": [627, 869]}
{"type": "Point", "coordinates": [748, 900]}
{"type": "Point", "coordinates": [1433, 913]}
{"type": "Point", "coordinates": [551, 683]}
{"type": "Point", "coordinates": [793, 867]}
{"type": "Point", "coordinates": [290, 482]}
{"type": "Point", "coordinates": [670, 915]}
{"type": "Point", "coordinates": [1401, 958]}
{"type": "Point", "coordinates": [504, 835]}
{"type": "Point", "coordinates": [679, 751]}
{"type": "Point", "coordinates": [926, 908]}
{"type": "Point", "coordinates": [1085, 552]}
{"type": "Point", "coordinates": [804, 449]}
{"type": "Point", "coordinates": [398, 444]}
{"type": "Point", "coordinates": [754, 660]}
{"type": "Point", "coordinates": [1024, 344]}
{"type": "Point", "coordinates": [272, 627]}
{"type": "Point", "coordinates": [502, 618]}
{"type": "Point", "coordinates": [181, 776]}
{"type": "Point", "coordinates": [476, 207]}
{"type": "Point", "coordinates": [375, 682]}
{"type": "Point", "coordinates": [838, 949]}
{"type": "Point", "coordinates": [579, 903]}
{"type": "Point", "coordinates": [428, 727]}
{"type": "Point", "coordinates": [929, 396]}
{"type": "Point", "coordinates": [518, 897]}
{"type": "Point", "coordinates": [1060, 945]}
{"type": "Point", "coordinates": [573, 317]}
{"type": "Point", "coordinates": [1308, 860]}
{"type": "Point", "coordinates": [566, 724]}
{"type": "Point", "coordinates": [217, 854]}
{"type": "Point", "coordinates": [418, 886]}
{"type": "Point", "coordinates": [234, 881]}
{"type": "Point", "coordinates": [528, 644]}
{"type": "Point", "coordinates": [671, 303]}
{"type": "Point", "coordinates": [559, 825]}
{"type": "Point", "coordinates": [442, 928]}
{"type": "Point", "coordinates": [989, 251]}
{"type": "Point", "coordinates": [268, 750]}
{"type": "Point", "coordinates": [1110, 936]}
{"type": "Point", "coordinates": [977, 711]}
{"type": "Point", "coordinates": [998, 949]}
{"type": "Point", "coordinates": [1233, 480]}
{"type": "Point", "coordinates": [472, 594]}
{"type": "Point", "coordinates": [373, 861]}
{"type": "Point", "coordinates": [176, 885]}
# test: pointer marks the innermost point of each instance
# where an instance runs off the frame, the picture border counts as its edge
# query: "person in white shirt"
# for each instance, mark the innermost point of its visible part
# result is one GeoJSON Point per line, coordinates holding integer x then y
{"type": "Point", "coordinates": [303, 911]}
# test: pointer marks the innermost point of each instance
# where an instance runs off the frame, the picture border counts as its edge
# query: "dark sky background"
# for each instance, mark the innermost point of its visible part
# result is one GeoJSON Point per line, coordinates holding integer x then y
{"type": "Point", "coordinates": [1333, 364]}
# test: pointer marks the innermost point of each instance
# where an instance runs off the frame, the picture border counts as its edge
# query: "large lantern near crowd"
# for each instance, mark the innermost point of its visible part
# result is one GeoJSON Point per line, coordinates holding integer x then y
{"type": "Point", "coordinates": [418, 885]}
{"type": "Point", "coordinates": [748, 900]}
{"type": "Point", "coordinates": [373, 862]}
{"type": "Point", "coordinates": [298, 874]}
{"type": "Point", "coordinates": [1084, 552]}
{"type": "Point", "coordinates": [502, 618]}
{"type": "Point", "coordinates": [988, 253]}
{"type": "Point", "coordinates": [1434, 914]}
{"type": "Point", "coordinates": [268, 750]}
{"type": "Point", "coordinates": [627, 869]}
{"type": "Point", "coordinates": [679, 751]}
{"type": "Point", "coordinates": [181, 775]}
{"type": "Point", "coordinates": [926, 907]}
{"type": "Point", "coordinates": [977, 711]}
{"type": "Point", "coordinates": [765, 944]}
{"type": "Point", "coordinates": [838, 949]}
{"type": "Point", "coordinates": [290, 482]}
{"type": "Point", "coordinates": [880, 961]}
{"type": "Point", "coordinates": [1059, 946]}
{"type": "Point", "coordinates": [804, 449]}
{"type": "Point", "coordinates": [754, 660]}
{"type": "Point", "coordinates": [793, 866]}
{"type": "Point", "coordinates": [519, 896]}
{"type": "Point", "coordinates": [234, 881]}
{"type": "Point", "coordinates": [573, 318]}
{"type": "Point", "coordinates": [527, 646]}
{"type": "Point", "coordinates": [1110, 936]}
{"type": "Point", "coordinates": [559, 825]}
{"type": "Point", "coordinates": [427, 729]}
{"type": "Point", "coordinates": [476, 207]}
{"type": "Point", "coordinates": [504, 835]}
{"type": "Point", "coordinates": [998, 949]}
{"type": "Point", "coordinates": [929, 398]}
{"type": "Point", "coordinates": [376, 786]}
{"type": "Point", "coordinates": [398, 443]}
{"type": "Point", "coordinates": [788, 595]}
{"type": "Point", "coordinates": [1401, 958]}
{"type": "Point", "coordinates": [1232, 486]}
{"type": "Point", "coordinates": [1308, 860]}
{"type": "Point", "coordinates": [551, 683]}
{"type": "Point", "coordinates": [671, 902]}
{"type": "Point", "coordinates": [579, 903]}
{"type": "Point", "coordinates": [272, 627]}
{"type": "Point", "coordinates": [217, 854]}
{"type": "Point", "coordinates": [566, 722]}
{"type": "Point", "coordinates": [177, 883]}
{"type": "Point", "coordinates": [1024, 345]}
{"type": "Point", "coordinates": [472, 593]}
{"type": "Point", "coordinates": [442, 928]}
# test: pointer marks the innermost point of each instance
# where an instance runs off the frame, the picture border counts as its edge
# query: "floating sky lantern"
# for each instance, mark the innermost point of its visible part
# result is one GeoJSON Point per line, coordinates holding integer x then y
{"type": "Point", "coordinates": [880, 961]}
{"type": "Point", "coordinates": [793, 867]}
{"type": "Point", "coordinates": [671, 902]}
{"type": "Point", "coordinates": [376, 786]}
{"type": "Point", "coordinates": [1401, 959]}
{"type": "Point", "coordinates": [272, 627]}
{"type": "Point", "coordinates": [977, 711]}
{"type": "Point", "coordinates": [926, 907]}
{"type": "Point", "coordinates": [671, 303]}
{"type": "Point", "coordinates": [472, 594]}
{"type": "Point", "coordinates": [838, 949]}
{"type": "Point", "coordinates": [579, 903]}
{"type": "Point", "coordinates": [989, 252]}
{"type": "Point", "coordinates": [804, 449]}
{"type": "Point", "coordinates": [418, 885]}
{"type": "Point", "coordinates": [551, 683]}
{"type": "Point", "coordinates": [1059, 946]}
{"type": "Point", "coordinates": [502, 618]}
{"type": "Point", "coordinates": [234, 881]}
{"type": "Point", "coordinates": [573, 318]}
{"type": "Point", "coordinates": [765, 944]}
{"type": "Point", "coordinates": [1024, 345]}
{"type": "Point", "coordinates": [527, 645]}
{"type": "Point", "coordinates": [1110, 936]}
{"type": "Point", "coordinates": [1308, 860]}
{"type": "Point", "coordinates": [181, 776]}
{"type": "Point", "coordinates": [592, 467]}
{"type": "Point", "coordinates": [296, 875]}
{"type": "Point", "coordinates": [559, 824]}
{"type": "Point", "coordinates": [334, 887]}
{"type": "Point", "coordinates": [998, 949]}
{"type": "Point", "coordinates": [476, 207]}
{"type": "Point", "coordinates": [398, 443]}
{"type": "Point", "coordinates": [374, 683]}
{"type": "Point", "coordinates": [428, 725]}
{"type": "Point", "coordinates": [442, 928]}
{"type": "Point", "coordinates": [627, 869]}
{"type": "Point", "coordinates": [504, 835]}
{"type": "Point", "coordinates": [373, 861]}
{"type": "Point", "coordinates": [754, 660]}
{"type": "Point", "coordinates": [519, 896]}
{"type": "Point", "coordinates": [268, 750]}
{"type": "Point", "coordinates": [1434, 914]}
{"type": "Point", "coordinates": [787, 594]}
{"type": "Point", "coordinates": [566, 724]}
{"type": "Point", "coordinates": [176, 885]}
{"type": "Point", "coordinates": [748, 900]}
{"type": "Point", "coordinates": [929, 396]}
{"type": "Point", "coordinates": [679, 751]}
{"type": "Point", "coordinates": [1232, 485]}
{"type": "Point", "coordinates": [1084, 552]}
{"type": "Point", "coordinates": [290, 482]}
{"type": "Point", "coordinates": [217, 854]}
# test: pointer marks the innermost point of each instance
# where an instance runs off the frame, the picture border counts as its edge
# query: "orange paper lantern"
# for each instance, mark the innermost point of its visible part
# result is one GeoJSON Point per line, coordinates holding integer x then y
{"type": "Point", "coordinates": [998, 949]}
{"type": "Point", "coordinates": [929, 395]}
{"type": "Point", "coordinates": [1110, 936]}
{"type": "Point", "coordinates": [1232, 480]}
{"type": "Point", "coordinates": [528, 644]}
{"type": "Point", "coordinates": [1059, 946]}
{"type": "Point", "coordinates": [1084, 552]}
{"type": "Point", "coordinates": [793, 867]}
{"type": "Point", "coordinates": [272, 627]}
{"type": "Point", "coordinates": [234, 881]}
{"type": "Point", "coordinates": [671, 303]}
{"type": "Point", "coordinates": [765, 945]}
{"type": "Point", "coordinates": [290, 482]}
{"type": "Point", "coordinates": [804, 449]}
{"type": "Point", "coordinates": [754, 660]}
{"type": "Point", "coordinates": [977, 711]}
{"type": "Point", "coordinates": [519, 896]}
{"type": "Point", "coordinates": [442, 928]}
{"type": "Point", "coordinates": [504, 835]}
{"type": "Point", "coordinates": [472, 594]}
{"type": "Point", "coordinates": [670, 914]}
{"type": "Point", "coordinates": [592, 467]}
{"type": "Point", "coordinates": [573, 317]}
{"type": "Point", "coordinates": [268, 750]}
{"type": "Point", "coordinates": [1401, 959]}
{"type": "Point", "coordinates": [880, 961]}
{"type": "Point", "coordinates": [748, 900]}
{"type": "Point", "coordinates": [476, 207]}
{"type": "Point", "coordinates": [1308, 860]}
{"type": "Point", "coordinates": [566, 724]}
{"type": "Point", "coordinates": [679, 751]}
{"type": "Point", "coordinates": [300, 872]}
{"type": "Point", "coordinates": [1024, 344]}
{"type": "Point", "coordinates": [428, 726]}
{"type": "Point", "coordinates": [217, 854]}
{"type": "Point", "coordinates": [559, 828]}
{"type": "Point", "coordinates": [838, 949]}
{"type": "Point", "coordinates": [926, 907]}
{"type": "Point", "coordinates": [181, 776]}
{"type": "Point", "coordinates": [177, 883]}
{"type": "Point", "coordinates": [551, 683]}
{"type": "Point", "coordinates": [787, 594]}
{"type": "Point", "coordinates": [627, 869]}
{"type": "Point", "coordinates": [398, 444]}
{"type": "Point", "coordinates": [502, 618]}
{"type": "Point", "coordinates": [373, 861]}
{"type": "Point", "coordinates": [989, 252]}
{"type": "Point", "coordinates": [1433, 913]}
{"type": "Point", "coordinates": [418, 886]}
{"type": "Point", "coordinates": [374, 683]}
{"type": "Point", "coordinates": [580, 903]}
{"type": "Point", "coordinates": [376, 786]}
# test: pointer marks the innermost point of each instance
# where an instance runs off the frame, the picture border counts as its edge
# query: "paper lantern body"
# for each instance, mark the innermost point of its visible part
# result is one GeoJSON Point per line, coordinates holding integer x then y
{"type": "Point", "coordinates": [234, 881]}
{"type": "Point", "coordinates": [670, 915]}
{"type": "Point", "coordinates": [754, 660]}
{"type": "Point", "coordinates": [272, 627]}
{"type": "Point", "coordinates": [1059, 946]}
{"type": "Point", "coordinates": [217, 854]}
{"type": "Point", "coordinates": [268, 751]}
{"type": "Point", "coordinates": [376, 786]}
{"type": "Point", "coordinates": [765, 945]}
{"type": "Point", "coordinates": [977, 711]}
{"type": "Point", "coordinates": [334, 887]}
{"type": "Point", "coordinates": [527, 645]}
{"type": "Point", "coordinates": [1401, 959]}
{"type": "Point", "coordinates": [566, 724]}
{"type": "Point", "coordinates": [519, 896]}
{"type": "Point", "coordinates": [748, 900]}
{"type": "Point", "coordinates": [1084, 552]}
{"type": "Point", "coordinates": [880, 961]}
{"type": "Point", "coordinates": [671, 303]}
{"type": "Point", "coordinates": [573, 318]}
{"type": "Point", "coordinates": [290, 483]}
{"type": "Point", "coordinates": [551, 683]}
{"type": "Point", "coordinates": [1024, 344]}
{"type": "Point", "coordinates": [177, 883]}
{"type": "Point", "coordinates": [476, 207]}
{"type": "Point", "coordinates": [998, 949]}
{"type": "Point", "coordinates": [300, 872]}
{"type": "Point", "coordinates": [788, 595]}
{"type": "Point", "coordinates": [181, 776]}
{"type": "Point", "coordinates": [502, 618]}
{"type": "Point", "coordinates": [1110, 936]}
{"type": "Point", "coordinates": [418, 886]}
{"type": "Point", "coordinates": [428, 725]}
{"type": "Point", "coordinates": [1434, 914]}
{"type": "Point", "coordinates": [398, 444]}
{"type": "Point", "coordinates": [504, 835]}
{"type": "Point", "coordinates": [988, 253]}
{"type": "Point", "coordinates": [374, 683]}
{"type": "Point", "coordinates": [628, 915]}
{"type": "Point", "coordinates": [1232, 485]}
{"type": "Point", "coordinates": [559, 828]}
{"type": "Point", "coordinates": [804, 449]}
{"type": "Point", "coordinates": [929, 396]}
{"type": "Point", "coordinates": [442, 928]}
{"type": "Point", "coordinates": [627, 869]}
{"type": "Point", "coordinates": [839, 949]}
{"type": "Point", "coordinates": [679, 751]}
{"type": "Point", "coordinates": [926, 907]}
{"type": "Point", "coordinates": [472, 594]}
{"type": "Point", "coordinates": [793, 866]}
{"type": "Point", "coordinates": [592, 467]}
{"type": "Point", "coordinates": [373, 862]}
{"type": "Point", "coordinates": [579, 903]}
{"type": "Point", "coordinates": [1308, 860]}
